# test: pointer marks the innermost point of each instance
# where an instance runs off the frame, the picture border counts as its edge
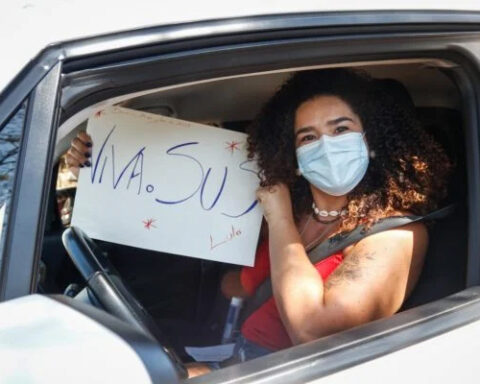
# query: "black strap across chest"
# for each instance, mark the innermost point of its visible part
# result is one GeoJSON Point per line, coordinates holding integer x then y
{"type": "Point", "coordinates": [338, 243]}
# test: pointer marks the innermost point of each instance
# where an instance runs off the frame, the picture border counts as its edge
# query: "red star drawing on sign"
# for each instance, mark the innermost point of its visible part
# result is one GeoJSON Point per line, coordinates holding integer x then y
{"type": "Point", "coordinates": [232, 145]}
{"type": "Point", "coordinates": [149, 223]}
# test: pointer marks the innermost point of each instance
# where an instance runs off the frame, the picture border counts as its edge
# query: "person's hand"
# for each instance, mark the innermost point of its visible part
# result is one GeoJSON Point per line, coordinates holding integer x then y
{"type": "Point", "coordinates": [276, 202]}
{"type": "Point", "coordinates": [78, 156]}
{"type": "Point", "coordinates": [231, 285]}
{"type": "Point", "coordinates": [197, 369]}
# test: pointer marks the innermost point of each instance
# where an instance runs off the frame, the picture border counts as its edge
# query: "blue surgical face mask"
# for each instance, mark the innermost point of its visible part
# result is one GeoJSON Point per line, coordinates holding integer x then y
{"type": "Point", "coordinates": [334, 164]}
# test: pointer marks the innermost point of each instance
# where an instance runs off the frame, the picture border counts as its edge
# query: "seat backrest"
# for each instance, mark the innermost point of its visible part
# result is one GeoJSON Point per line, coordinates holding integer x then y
{"type": "Point", "coordinates": [444, 271]}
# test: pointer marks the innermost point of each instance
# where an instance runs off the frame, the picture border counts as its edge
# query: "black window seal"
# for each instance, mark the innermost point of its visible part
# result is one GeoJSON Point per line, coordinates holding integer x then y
{"type": "Point", "coordinates": [467, 79]}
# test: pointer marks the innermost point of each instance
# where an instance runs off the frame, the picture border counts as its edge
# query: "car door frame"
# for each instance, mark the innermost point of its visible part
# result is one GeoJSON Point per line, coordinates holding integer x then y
{"type": "Point", "coordinates": [45, 83]}
{"type": "Point", "coordinates": [24, 230]}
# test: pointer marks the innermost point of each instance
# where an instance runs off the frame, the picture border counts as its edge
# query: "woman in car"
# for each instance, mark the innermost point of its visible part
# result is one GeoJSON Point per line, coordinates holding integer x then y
{"type": "Point", "coordinates": [335, 152]}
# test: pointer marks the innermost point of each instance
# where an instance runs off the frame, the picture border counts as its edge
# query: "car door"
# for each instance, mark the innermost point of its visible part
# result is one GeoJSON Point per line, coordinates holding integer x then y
{"type": "Point", "coordinates": [67, 80]}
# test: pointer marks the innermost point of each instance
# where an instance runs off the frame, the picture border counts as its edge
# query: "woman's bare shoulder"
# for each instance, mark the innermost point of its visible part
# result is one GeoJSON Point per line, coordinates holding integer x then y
{"type": "Point", "coordinates": [384, 267]}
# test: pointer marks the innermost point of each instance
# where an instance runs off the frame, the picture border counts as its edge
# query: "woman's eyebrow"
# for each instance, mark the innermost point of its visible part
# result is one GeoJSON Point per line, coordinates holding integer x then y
{"type": "Point", "coordinates": [339, 120]}
{"type": "Point", "coordinates": [303, 130]}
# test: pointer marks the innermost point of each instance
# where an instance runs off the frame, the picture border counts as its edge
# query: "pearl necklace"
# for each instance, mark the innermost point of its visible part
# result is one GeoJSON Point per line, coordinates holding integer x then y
{"type": "Point", "coordinates": [325, 213]}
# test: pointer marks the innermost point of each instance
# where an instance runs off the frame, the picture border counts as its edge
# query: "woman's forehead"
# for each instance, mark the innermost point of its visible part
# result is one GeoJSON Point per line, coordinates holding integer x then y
{"type": "Point", "coordinates": [322, 109]}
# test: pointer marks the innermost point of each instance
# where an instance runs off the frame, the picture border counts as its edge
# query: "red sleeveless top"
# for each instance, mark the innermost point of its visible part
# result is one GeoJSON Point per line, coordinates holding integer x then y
{"type": "Point", "coordinates": [264, 327]}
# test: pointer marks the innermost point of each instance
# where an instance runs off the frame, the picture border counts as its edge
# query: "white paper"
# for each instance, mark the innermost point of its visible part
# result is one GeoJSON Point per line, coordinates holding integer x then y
{"type": "Point", "coordinates": [213, 353]}
{"type": "Point", "coordinates": [169, 185]}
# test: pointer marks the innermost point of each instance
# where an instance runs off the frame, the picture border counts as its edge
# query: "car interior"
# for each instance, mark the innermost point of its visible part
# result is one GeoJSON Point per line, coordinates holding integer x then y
{"type": "Point", "coordinates": [182, 294]}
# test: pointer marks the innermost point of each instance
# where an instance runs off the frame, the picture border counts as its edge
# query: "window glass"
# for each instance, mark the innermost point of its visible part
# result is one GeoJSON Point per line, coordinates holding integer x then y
{"type": "Point", "coordinates": [10, 139]}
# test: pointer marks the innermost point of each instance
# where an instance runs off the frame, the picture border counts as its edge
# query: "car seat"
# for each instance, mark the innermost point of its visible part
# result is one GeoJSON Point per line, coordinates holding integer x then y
{"type": "Point", "coordinates": [444, 271]}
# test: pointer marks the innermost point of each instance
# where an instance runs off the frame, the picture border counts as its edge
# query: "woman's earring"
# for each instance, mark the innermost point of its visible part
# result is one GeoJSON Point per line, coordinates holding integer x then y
{"type": "Point", "coordinates": [372, 154]}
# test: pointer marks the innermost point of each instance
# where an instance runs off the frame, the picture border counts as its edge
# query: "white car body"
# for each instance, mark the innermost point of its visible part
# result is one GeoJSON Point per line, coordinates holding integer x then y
{"type": "Point", "coordinates": [38, 334]}
{"type": "Point", "coordinates": [35, 24]}
{"type": "Point", "coordinates": [43, 341]}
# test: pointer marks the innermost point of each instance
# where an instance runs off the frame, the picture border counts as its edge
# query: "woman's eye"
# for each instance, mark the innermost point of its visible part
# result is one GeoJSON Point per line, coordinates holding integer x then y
{"type": "Point", "coordinates": [341, 129]}
{"type": "Point", "coordinates": [307, 138]}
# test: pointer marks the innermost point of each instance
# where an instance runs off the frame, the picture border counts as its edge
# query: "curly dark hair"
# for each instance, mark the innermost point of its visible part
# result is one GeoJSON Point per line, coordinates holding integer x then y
{"type": "Point", "coordinates": [408, 172]}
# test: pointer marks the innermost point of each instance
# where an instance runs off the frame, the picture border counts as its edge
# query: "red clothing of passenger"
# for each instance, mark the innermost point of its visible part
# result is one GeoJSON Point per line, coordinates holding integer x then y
{"type": "Point", "coordinates": [264, 327]}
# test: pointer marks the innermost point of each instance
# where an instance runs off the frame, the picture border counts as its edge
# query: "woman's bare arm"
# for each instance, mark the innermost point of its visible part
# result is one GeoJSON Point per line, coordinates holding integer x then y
{"type": "Point", "coordinates": [372, 281]}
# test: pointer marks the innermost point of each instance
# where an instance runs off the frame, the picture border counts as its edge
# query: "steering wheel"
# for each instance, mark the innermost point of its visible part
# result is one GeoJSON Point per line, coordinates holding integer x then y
{"type": "Point", "coordinates": [109, 290]}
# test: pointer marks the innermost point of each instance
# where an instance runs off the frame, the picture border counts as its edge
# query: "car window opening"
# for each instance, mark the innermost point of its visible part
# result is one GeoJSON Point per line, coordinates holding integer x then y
{"type": "Point", "coordinates": [189, 298]}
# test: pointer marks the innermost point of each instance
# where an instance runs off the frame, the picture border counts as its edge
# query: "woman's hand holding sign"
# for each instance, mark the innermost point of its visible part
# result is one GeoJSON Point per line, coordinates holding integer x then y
{"type": "Point", "coordinates": [79, 153]}
{"type": "Point", "coordinates": [276, 203]}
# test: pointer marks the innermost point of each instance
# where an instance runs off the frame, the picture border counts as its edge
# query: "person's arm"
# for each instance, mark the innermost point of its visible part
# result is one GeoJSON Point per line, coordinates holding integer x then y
{"type": "Point", "coordinates": [371, 282]}
{"type": "Point", "coordinates": [231, 285]}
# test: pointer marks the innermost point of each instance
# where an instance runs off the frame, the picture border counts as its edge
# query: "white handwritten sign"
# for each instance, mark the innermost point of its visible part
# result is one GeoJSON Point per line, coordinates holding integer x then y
{"type": "Point", "coordinates": [169, 185]}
